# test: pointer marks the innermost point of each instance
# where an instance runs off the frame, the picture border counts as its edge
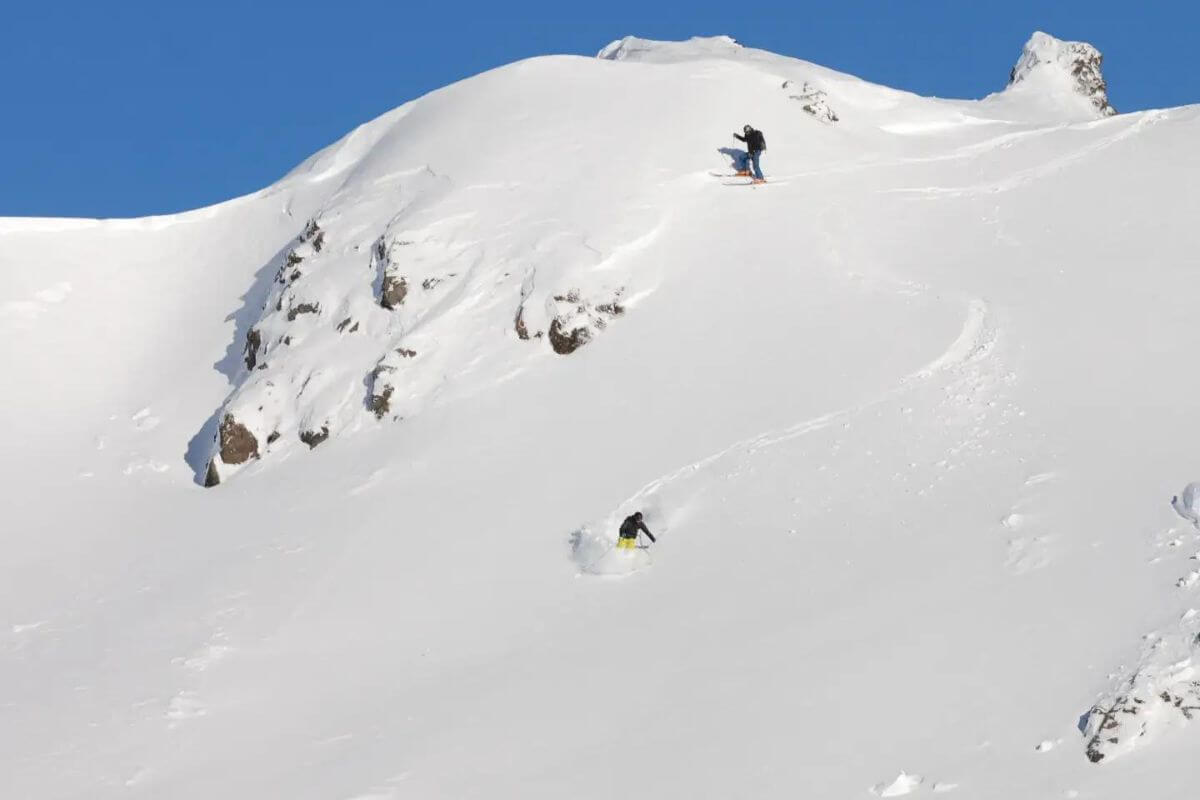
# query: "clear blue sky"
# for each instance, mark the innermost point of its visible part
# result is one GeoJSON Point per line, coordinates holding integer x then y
{"type": "Point", "coordinates": [129, 107]}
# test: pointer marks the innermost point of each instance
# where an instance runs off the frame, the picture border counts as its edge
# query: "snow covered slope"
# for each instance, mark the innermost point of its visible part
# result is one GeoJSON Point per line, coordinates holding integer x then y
{"type": "Point", "coordinates": [907, 422]}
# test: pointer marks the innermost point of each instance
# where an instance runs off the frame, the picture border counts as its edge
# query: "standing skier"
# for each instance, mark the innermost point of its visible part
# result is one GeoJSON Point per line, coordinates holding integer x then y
{"type": "Point", "coordinates": [629, 531]}
{"type": "Point", "coordinates": [755, 144]}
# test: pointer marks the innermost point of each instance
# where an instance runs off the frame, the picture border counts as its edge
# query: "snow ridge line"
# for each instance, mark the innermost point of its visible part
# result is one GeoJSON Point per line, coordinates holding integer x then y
{"type": "Point", "coordinates": [975, 341]}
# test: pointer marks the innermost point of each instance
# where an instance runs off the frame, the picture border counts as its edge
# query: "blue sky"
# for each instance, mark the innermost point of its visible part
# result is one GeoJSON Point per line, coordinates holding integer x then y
{"type": "Point", "coordinates": [131, 107]}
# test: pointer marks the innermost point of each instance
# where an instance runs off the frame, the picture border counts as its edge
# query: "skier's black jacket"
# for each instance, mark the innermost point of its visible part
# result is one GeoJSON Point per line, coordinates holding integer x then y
{"type": "Point", "coordinates": [631, 526]}
{"type": "Point", "coordinates": [755, 141]}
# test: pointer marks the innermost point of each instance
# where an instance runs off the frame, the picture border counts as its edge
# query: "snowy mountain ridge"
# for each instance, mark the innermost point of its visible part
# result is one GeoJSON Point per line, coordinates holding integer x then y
{"type": "Point", "coordinates": [374, 323]}
{"type": "Point", "coordinates": [906, 421]}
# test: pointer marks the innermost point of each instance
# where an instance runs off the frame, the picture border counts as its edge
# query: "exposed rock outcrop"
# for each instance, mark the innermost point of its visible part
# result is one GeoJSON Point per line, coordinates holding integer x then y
{"type": "Point", "coordinates": [814, 101]}
{"type": "Point", "coordinates": [311, 229]}
{"type": "Point", "coordinates": [393, 286]}
{"type": "Point", "coordinates": [395, 289]}
{"type": "Point", "coordinates": [519, 324]}
{"type": "Point", "coordinates": [565, 341]}
{"type": "Point", "coordinates": [575, 320]}
{"type": "Point", "coordinates": [1077, 62]}
{"type": "Point", "coordinates": [314, 438]}
{"type": "Point", "coordinates": [404, 277]}
{"type": "Point", "coordinates": [1161, 692]}
{"type": "Point", "coordinates": [237, 443]}
{"type": "Point", "coordinates": [303, 308]}
{"type": "Point", "coordinates": [253, 342]}
{"type": "Point", "coordinates": [379, 396]}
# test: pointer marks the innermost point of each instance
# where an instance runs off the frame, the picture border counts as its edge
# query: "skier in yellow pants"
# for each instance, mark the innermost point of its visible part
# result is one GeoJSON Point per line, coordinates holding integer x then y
{"type": "Point", "coordinates": [629, 531]}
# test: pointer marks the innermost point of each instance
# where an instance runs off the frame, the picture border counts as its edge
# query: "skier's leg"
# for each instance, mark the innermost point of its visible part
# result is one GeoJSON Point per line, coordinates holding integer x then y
{"type": "Point", "coordinates": [757, 167]}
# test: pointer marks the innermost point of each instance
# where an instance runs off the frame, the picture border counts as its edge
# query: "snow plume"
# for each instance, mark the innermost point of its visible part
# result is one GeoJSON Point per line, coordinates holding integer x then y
{"type": "Point", "coordinates": [1050, 63]}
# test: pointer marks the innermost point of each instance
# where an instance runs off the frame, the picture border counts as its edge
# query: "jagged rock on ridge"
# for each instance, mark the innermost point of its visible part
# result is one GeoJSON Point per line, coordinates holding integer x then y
{"type": "Point", "coordinates": [253, 342]}
{"type": "Point", "coordinates": [1079, 62]}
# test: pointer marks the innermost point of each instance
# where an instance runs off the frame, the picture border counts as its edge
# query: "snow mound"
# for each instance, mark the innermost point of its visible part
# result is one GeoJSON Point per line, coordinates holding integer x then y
{"type": "Point", "coordinates": [902, 785]}
{"type": "Point", "coordinates": [631, 48]}
{"type": "Point", "coordinates": [1062, 69]}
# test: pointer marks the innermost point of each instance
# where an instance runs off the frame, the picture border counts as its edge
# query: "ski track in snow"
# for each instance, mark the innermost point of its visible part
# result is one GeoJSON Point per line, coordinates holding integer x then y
{"type": "Point", "coordinates": [975, 341]}
{"type": "Point", "coordinates": [1031, 174]}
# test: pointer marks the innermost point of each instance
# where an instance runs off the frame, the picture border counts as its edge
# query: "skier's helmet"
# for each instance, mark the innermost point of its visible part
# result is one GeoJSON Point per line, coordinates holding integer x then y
{"type": "Point", "coordinates": [637, 515]}
{"type": "Point", "coordinates": [746, 129]}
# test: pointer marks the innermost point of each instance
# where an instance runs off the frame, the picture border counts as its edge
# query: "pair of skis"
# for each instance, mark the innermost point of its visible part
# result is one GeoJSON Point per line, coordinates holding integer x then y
{"type": "Point", "coordinates": [737, 179]}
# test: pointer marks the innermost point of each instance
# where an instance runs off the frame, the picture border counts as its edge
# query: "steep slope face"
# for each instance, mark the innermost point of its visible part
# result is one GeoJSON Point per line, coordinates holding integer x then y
{"type": "Point", "coordinates": [440, 266]}
{"type": "Point", "coordinates": [906, 421]}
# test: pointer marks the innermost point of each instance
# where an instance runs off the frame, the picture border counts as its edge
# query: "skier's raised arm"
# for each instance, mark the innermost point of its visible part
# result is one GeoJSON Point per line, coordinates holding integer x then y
{"type": "Point", "coordinates": [739, 137]}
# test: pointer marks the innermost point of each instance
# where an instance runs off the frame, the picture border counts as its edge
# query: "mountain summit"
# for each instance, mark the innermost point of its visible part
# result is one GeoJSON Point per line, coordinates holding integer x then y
{"type": "Point", "coordinates": [1050, 64]}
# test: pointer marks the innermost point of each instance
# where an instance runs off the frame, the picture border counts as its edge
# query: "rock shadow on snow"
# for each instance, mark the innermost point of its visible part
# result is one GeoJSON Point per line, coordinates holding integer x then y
{"type": "Point", "coordinates": [236, 359]}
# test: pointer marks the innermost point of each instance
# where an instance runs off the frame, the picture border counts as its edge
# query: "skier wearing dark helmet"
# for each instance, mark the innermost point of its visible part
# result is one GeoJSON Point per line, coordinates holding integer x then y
{"type": "Point", "coordinates": [629, 531]}
{"type": "Point", "coordinates": [755, 144]}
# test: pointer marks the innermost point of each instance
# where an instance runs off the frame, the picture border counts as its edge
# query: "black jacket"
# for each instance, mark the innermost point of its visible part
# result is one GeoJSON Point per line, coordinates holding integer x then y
{"type": "Point", "coordinates": [755, 141]}
{"type": "Point", "coordinates": [631, 526]}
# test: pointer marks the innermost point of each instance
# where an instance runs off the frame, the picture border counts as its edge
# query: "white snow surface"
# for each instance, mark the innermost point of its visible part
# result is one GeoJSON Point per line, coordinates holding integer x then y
{"type": "Point", "coordinates": [907, 422]}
